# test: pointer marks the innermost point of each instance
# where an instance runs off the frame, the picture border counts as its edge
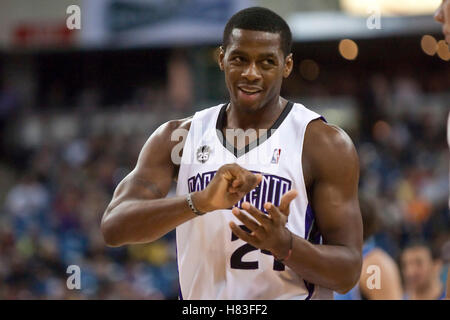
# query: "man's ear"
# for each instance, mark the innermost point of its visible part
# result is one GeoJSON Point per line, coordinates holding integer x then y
{"type": "Point", "coordinates": [221, 56]}
{"type": "Point", "coordinates": [288, 65]}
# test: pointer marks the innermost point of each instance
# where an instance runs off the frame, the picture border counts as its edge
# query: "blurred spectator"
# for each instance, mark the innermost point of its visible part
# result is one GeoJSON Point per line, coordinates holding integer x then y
{"type": "Point", "coordinates": [421, 268]}
{"type": "Point", "coordinates": [388, 286]}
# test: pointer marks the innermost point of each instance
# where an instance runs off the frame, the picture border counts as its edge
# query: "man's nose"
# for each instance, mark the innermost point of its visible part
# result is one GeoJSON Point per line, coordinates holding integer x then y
{"type": "Point", "coordinates": [251, 72]}
{"type": "Point", "coordinates": [439, 15]}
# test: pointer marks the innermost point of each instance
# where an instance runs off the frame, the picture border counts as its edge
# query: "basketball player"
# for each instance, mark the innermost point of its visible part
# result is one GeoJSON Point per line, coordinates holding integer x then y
{"type": "Point", "coordinates": [442, 15]}
{"type": "Point", "coordinates": [390, 283]}
{"type": "Point", "coordinates": [421, 268]}
{"type": "Point", "coordinates": [234, 196]}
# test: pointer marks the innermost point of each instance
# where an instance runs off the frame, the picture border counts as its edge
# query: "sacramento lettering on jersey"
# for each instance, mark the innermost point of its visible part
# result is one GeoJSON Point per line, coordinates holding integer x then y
{"type": "Point", "coordinates": [271, 189]}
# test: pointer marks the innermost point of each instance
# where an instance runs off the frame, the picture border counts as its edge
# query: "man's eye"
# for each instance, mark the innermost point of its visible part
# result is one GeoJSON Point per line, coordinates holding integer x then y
{"type": "Point", "coordinates": [269, 61]}
{"type": "Point", "coordinates": [237, 59]}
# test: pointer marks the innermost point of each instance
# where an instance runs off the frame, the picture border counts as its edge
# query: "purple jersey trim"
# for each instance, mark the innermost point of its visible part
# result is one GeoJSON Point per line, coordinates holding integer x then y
{"type": "Point", "coordinates": [313, 235]}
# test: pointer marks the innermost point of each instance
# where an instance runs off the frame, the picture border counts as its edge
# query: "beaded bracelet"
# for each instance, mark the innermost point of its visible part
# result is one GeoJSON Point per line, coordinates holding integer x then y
{"type": "Point", "coordinates": [191, 205]}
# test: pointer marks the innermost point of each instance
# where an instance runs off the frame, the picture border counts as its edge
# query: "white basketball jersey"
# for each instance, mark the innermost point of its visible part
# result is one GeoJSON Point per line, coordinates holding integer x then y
{"type": "Point", "coordinates": [213, 263]}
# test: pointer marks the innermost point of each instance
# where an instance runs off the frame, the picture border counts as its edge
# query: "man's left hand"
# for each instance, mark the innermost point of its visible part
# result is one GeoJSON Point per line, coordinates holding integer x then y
{"type": "Point", "coordinates": [269, 231]}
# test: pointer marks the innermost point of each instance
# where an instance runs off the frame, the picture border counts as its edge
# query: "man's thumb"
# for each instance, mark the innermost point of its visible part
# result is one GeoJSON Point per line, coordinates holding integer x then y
{"type": "Point", "coordinates": [286, 200]}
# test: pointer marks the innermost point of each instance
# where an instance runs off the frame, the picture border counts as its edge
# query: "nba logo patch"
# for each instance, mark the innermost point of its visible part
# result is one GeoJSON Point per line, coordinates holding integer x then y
{"type": "Point", "coordinates": [276, 156]}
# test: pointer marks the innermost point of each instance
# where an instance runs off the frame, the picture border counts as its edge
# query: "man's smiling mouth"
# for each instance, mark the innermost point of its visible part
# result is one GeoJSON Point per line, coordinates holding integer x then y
{"type": "Point", "coordinates": [249, 91]}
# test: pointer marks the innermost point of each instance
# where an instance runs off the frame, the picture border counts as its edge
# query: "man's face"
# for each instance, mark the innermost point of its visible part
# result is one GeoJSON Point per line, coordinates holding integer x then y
{"type": "Point", "coordinates": [442, 15]}
{"type": "Point", "coordinates": [417, 267]}
{"type": "Point", "coordinates": [254, 67]}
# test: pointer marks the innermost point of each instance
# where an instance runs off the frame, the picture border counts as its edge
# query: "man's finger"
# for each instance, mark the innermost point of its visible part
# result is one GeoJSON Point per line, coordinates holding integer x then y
{"type": "Point", "coordinates": [233, 173]}
{"type": "Point", "coordinates": [273, 211]}
{"type": "Point", "coordinates": [286, 201]}
{"type": "Point", "coordinates": [237, 183]}
{"type": "Point", "coordinates": [249, 223]}
{"type": "Point", "coordinates": [236, 196]}
{"type": "Point", "coordinates": [258, 178]}
{"type": "Point", "coordinates": [233, 190]}
{"type": "Point", "coordinates": [251, 180]}
{"type": "Point", "coordinates": [241, 234]}
{"type": "Point", "coordinates": [255, 213]}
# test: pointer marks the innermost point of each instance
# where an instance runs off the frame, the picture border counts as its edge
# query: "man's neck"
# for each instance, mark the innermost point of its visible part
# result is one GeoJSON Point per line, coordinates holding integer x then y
{"type": "Point", "coordinates": [264, 118]}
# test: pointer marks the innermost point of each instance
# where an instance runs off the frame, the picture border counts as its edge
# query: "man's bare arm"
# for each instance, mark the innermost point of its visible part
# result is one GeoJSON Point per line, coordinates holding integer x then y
{"type": "Point", "coordinates": [138, 212]}
{"type": "Point", "coordinates": [333, 164]}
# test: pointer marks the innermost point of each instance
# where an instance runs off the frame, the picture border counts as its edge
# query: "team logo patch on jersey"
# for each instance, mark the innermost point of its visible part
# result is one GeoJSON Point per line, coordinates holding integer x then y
{"type": "Point", "coordinates": [203, 153]}
{"type": "Point", "coordinates": [271, 189]}
{"type": "Point", "coordinates": [276, 156]}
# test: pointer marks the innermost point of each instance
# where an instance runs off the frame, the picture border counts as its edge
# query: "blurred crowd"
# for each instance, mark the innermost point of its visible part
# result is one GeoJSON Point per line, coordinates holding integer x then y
{"type": "Point", "coordinates": [53, 192]}
{"type": "Point", "coordinates": [50, 220]}
{"type": "Point", "coordinates": [404, 161]}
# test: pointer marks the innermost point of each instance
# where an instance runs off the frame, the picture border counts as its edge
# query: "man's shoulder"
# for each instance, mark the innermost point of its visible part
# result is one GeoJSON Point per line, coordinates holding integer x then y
{"type": "Point", "coordinates": [327, 144]}
{"type": "Point", "coordinates": [175, 124]}
{"type": "Point", "coordinates": [168, 134]}
{"type": "Point", "coordinates": [325, 136]}
{"type": "Point", "coordinates": [185, 123]}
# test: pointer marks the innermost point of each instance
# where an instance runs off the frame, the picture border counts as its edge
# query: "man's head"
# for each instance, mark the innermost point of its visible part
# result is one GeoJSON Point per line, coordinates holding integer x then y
{"type": "Point", "coordinates": [420, 266]}
{"type": "Point", "coordinates": [255, 56]}
{"type": "Point", "coordinates": [442, 15]}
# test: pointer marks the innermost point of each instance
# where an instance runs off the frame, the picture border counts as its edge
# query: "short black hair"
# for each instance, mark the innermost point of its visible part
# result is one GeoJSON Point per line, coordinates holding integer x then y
{"type": "Point", "coordinates": [419, 242]}
{"type": "Point", "coordinates": [259, 19]}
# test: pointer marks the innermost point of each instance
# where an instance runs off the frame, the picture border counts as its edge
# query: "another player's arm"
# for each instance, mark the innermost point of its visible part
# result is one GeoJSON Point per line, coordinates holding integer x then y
{"type": "Point", "coordinates": [138, 212]}
{"type": "Point", "coordinates": [332, 161]}
{"type": "Point", "coordinates": [390, 279]}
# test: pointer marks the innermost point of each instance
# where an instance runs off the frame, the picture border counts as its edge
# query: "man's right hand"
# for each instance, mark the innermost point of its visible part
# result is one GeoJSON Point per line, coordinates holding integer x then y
{"type": "Point", "coordinates": [229, 185]}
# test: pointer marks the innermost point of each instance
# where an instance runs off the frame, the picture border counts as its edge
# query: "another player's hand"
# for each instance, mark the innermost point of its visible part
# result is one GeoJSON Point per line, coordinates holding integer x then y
{"type": "Point", "coordinates": [229, 185]}
{"type": "Point", "coordinates": [268, 231]}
